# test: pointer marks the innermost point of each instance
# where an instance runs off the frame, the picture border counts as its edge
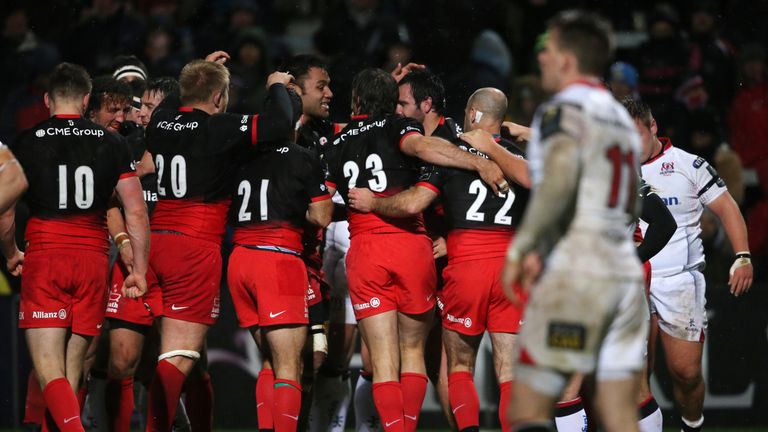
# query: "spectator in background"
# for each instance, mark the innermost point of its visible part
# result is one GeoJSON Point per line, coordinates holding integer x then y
{"type": "Point", "coordinates": [160, 52]}
{"type": "Point", "coordinates": [623, 80]}
{"type": "Point", "coordinates": [250, 67]}
{"type": "Point", "coordinates": [662, 63]}
{"type": "Point", "coordinates": [24, 106]}
{"type": "Point", "coordinates": [711, 56]}
{"type": "Point", "coordinates": [706, 140]}
{"type": "Point", "coordinates": [748, 116]}
{"type": "Point", "coordinates": [526, 96]}
{"type": "Point", "coordinates": [108, 29]}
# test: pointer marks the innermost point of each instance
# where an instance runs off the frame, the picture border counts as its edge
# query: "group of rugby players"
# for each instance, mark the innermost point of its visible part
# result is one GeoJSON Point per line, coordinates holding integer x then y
{"type": "Point", "coordinates": [337, 228]}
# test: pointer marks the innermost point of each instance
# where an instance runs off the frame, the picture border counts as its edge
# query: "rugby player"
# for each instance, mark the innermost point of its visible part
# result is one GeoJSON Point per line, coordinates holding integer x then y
{"type": "Point", "coordinates": [75, 167]}
{"type": "Point", "coordinates": [587, 311]}
{"type": "Point", "coordinates": [392, 293]}
{"type": "Point", "coordinates": [687, 183]}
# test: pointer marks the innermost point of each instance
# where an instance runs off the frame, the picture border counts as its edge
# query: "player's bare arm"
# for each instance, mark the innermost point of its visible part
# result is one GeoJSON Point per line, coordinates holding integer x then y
{"type": "Point", "coordinates": [218, 57]}
{"type": "Point", "coordinates": [440, 152]}
{"type": "Point", "coordinates": [547, 210]}
{"type": "Point", "coordinates": [320, 213]}
{"type": "Point", "coordinates": [514, 167]}
{"type": "Point", "coordinates": [518, 132]}
{"type": "Point", "coordinates": [400, 71]}
{"type": "Point", "coordinates": [137, 227]}
{"type": "Point", "coordinates": [13, 182]}
{"type": "Point", "coordinates": [14, 258]}
{"type": "Point", "coordinates": [730, 216]}
{"type": "Point", "coordinates": [116, 228]}
{"type": "Point", "coordinates": [410, 202]}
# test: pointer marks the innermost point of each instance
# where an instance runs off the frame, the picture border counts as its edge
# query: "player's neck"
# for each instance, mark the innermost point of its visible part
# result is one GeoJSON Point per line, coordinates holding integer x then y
{"type": "Point", "coordinates": [431, 122]}
{"type": "Point", "coordinates": [67, 109]}
{"type": "Point", "coordinates": [204, 106]}
{"type": "Point", "coordinates": [657, 147]}
{"type": "Point", "coordinates": [578, 78]}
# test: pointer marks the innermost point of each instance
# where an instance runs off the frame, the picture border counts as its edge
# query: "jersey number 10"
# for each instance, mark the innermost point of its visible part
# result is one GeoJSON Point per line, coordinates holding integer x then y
{"type": "Point", "coordinates": [83, 187]}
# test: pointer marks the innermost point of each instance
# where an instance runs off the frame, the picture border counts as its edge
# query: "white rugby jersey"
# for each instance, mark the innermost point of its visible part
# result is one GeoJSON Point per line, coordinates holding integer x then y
{"type": "Point", "coordinates": [609, 147]}
{"type": "Point", "coordinates": [686, 183]}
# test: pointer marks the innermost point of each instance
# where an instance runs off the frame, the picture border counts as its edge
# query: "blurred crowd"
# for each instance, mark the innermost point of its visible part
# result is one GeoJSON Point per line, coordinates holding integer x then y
{"type": "Point", "coordinates": [700, 64]}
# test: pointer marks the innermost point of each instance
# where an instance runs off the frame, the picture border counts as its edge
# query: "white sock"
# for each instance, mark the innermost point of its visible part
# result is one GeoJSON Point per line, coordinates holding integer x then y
{"type": "Point", "coordinates": [651, 419]}
{"type": "Point", "coordinates": [695, 425]}
{"type": "Point", "coordinates": [367, 418]}
{"type": "Point", "coordinates": [330, 401]}
{"type": "Point", "coordinates": [570, 416]}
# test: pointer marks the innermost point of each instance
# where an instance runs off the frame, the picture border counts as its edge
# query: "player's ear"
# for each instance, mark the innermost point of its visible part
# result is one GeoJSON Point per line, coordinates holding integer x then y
{"type": "Point", "coordinates": [426, 105]}
{"type": "Point", "coordinates": [86, 100]}
{"type": "Point", "coordinates": [47, 100]}
{"type": "Point", "coordinates": [654, 127]}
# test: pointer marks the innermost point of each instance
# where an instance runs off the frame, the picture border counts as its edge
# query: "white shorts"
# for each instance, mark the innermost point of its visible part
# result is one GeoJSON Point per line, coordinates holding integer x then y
{"type": "Point", "coordinates": [335, 269]}
{"type": "Point", "coordinates": [679, 301]}
{"type": "Point", "coordinates": [582, 323]}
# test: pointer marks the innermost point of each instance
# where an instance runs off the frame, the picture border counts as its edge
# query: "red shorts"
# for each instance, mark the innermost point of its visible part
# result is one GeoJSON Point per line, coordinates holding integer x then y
{"type": "Point", "coordinates": [391, 272]}
{"type": "Point", "coordinates": [268, 288]}
{"type": "Point", "coordinates": [62, 289]}
{"type": "Point", "coordinates": [142, 311]}
{"type": "Point", "coordinates": [188, 271]}
{"type": "Point", "coordinates": [474, 301]}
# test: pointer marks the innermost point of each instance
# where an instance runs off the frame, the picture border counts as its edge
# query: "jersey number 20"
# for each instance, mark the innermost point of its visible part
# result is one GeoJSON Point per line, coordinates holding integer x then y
{"type": "Point", "coordinates": [178, 175]}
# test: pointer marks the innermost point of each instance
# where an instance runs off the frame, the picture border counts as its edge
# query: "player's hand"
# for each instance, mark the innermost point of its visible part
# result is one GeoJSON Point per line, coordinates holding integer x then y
{"type": "Point", "coordinates": [741, 279]}
{"type": "Point", "coordinates": [480, 140]}
{"type": "Point", "coordinates": [518, 132]}
{"type": "Point", "coordinates": [217, 57]}
{"type": "Point", "coordinates": [283, 78]}
{"type": "Point", "coordinates": [492, 176]}
{"type": "Point", "coordinates": [361, 199]}
{"type": "Point", "coordinates": [401, 71]}
{"type": "Point", "coordinates": [15, 263]}
{"type": "Point", "coordinates": [439, 248]}
{"type": "Point", "coordinates": [519, 277]}
{"type": "Point", "coordinates": [134, 286]}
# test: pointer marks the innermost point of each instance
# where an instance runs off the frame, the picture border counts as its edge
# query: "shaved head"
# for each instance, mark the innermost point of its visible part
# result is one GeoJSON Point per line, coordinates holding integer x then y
{"type": "Point", "coordinates": [490, 101]}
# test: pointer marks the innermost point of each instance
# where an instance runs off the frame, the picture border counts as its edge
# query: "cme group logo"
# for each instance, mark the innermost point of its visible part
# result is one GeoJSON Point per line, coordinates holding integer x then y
{"type": "Point", "coordinates": [39, 133]}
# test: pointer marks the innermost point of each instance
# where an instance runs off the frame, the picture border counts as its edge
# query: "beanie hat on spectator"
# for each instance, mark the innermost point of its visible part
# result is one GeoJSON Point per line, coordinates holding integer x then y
{"type": "Point", "coordinates": [623, 73]}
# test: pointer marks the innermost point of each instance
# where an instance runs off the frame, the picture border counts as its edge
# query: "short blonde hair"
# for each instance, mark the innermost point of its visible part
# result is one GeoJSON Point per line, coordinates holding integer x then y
{"type": "Point", "coordinates": [200, 80]}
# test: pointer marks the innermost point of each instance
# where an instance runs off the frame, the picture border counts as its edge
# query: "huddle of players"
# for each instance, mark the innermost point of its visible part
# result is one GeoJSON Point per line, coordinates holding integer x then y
{"type": "Point", "coordinates": [384, 168]}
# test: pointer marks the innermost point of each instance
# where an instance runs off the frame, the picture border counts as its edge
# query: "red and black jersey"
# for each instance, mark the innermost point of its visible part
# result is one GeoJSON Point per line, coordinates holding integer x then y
{"type": "Point", "coordinates": [484, 221]}
{"type": "Point", "coordinates": [134, 135]}
{"type": "Point", "coordinates": [316, 135]}
{"type": "Point", "coordinates": [195, 154]}
{"type": "Point", "coordinates": [447, 129]}
{"type": "Point", "coordinates": [272, 194]}
{"type": "Point", "coordinates": [367, 154]}
{"type": "Point", "coordinates": [72, 166]}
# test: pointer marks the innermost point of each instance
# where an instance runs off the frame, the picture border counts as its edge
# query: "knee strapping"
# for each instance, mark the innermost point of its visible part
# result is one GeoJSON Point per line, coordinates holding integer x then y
{"type": "Point", "coordinates": [192, 355]}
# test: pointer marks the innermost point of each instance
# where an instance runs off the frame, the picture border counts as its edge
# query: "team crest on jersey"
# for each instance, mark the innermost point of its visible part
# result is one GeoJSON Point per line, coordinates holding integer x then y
{"type": "Point", "coordinates": [667, 168]}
